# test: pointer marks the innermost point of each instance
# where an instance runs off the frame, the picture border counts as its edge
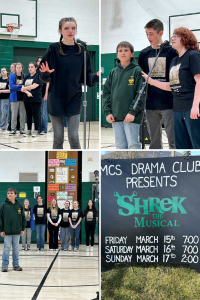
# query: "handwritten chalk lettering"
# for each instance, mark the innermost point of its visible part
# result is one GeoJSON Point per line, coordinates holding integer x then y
{"type": "Point", "coordinates": [150, 205]}
{"type": "Point", "coordinates": [169, 238]}
{"type": "Point", "coordinates": [190, 249]}
{"type": "Point", "coordinates": [141, 168]}
{"type": "Point", "coordinates": [146, 239]}
{"type": "Point", "coordinates": [146, 249]}
{"type": "Point", "coordinates": [190, 259]}
{"type": "Point", "coordinates": [112, 170]}
{"type": "Point", "coordinates": [147, 258]}
{"type": "Point", "coordinates": [118, 258]}
{"type": "Point", "coordinates": [115, 240]}
{"type": "Point", "coordinates": [189, 166]}
{"type": "Point", "coordinates": [119, 249]}
{"type": "Point", "coordinates": [191, 239]}
{"type": "Point", "coordinates": [152, 181]}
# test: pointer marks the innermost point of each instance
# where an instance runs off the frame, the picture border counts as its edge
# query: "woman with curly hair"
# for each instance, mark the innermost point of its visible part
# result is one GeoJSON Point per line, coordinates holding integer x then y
{"type": "Point", "coordinates": [184, 83]}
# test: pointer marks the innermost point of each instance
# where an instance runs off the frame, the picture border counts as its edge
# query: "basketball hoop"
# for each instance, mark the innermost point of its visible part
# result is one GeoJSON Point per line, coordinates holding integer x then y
{"type": "Point", "coordinates": [13, 28]}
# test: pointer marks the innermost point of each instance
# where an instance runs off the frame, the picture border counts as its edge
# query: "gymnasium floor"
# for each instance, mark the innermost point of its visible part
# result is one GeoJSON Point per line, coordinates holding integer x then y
{"type": "Point", "coordinates": [108, 141]}
{"type": "Point", "coordinates": [46, 141]}
{"type": "Point", "coordinates": [74, 275]}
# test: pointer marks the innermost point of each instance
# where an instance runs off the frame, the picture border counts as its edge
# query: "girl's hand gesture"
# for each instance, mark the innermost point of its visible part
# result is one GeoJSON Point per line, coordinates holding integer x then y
{"type": "Point", "coordinates": [45, 68]}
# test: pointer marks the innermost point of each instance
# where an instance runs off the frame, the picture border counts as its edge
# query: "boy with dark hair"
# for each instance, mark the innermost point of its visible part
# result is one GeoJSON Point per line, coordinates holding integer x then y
{"type": "Point", "coordinates": [119, 95]}
{"type": "Point", "coordinates": [12, 225]}
{"type": "Point", "coordinates": [159, 104]}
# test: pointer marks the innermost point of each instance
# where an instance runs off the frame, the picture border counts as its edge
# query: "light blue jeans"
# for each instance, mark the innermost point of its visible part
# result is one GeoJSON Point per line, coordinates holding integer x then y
{"type": "Point", "coordinates": [8, 241]}
{"type": "Point", "coordinates": [126, 135]}
{"type": "Point", "coordinates": [4, 108]}
{"type": "Point", "coordinates": [43, 123]}
{"type": "Point", "coordinates": [40, 233]}
{"type": "Point", "coordinates": [75, 233]}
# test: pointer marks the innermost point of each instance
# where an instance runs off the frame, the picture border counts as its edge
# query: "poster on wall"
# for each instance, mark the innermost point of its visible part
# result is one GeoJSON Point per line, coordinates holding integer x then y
{"type": "Point", "coordinates": [62, 195]}
{"type": "Point", "coordinates": [61, 175]}
{"type": "Point", "coordinates": [150, 211]}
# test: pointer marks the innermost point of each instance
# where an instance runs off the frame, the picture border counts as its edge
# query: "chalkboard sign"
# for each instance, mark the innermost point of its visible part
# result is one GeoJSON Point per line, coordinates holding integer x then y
{"type": "Point", "coordinates": [150, 211]}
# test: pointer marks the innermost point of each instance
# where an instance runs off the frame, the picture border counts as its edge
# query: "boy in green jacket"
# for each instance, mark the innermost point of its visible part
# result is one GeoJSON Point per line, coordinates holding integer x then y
{"type": "Point", "coordinates": [119, 95]}
{"type": "Point", "coordinates": [12, 225]}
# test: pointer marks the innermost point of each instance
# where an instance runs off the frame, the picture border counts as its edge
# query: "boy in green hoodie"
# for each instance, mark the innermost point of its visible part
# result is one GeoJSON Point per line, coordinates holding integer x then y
{"type": "Point", "coordinates": [12, 225]}
{"type": "Point", "coordinates": [119, 95]}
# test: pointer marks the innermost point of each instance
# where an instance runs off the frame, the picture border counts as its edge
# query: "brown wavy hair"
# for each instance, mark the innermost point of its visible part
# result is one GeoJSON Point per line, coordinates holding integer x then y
{"type": "Point", "coordinates": [61, 22]}
{"type": "Point", "coordinates": [188, 39]}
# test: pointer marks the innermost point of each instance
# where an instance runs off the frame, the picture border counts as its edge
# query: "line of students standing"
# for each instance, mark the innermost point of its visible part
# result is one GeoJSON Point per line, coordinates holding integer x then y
{"type": "Point", "coordinates": [68, 220]}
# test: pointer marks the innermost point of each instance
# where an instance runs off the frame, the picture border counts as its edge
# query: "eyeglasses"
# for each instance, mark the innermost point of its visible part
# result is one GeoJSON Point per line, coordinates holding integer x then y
{"type": "Point", "coordinates": [173, 37]}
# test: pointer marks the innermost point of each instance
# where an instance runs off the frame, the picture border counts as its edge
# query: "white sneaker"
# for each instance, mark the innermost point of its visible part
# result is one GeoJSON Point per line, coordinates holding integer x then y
{"type": "Point", "coordinates": [87, 249]}
{"type": "Point", "coordinates": [51, 249]}
{"type": "Point", "coordinates": [91, 249]}
{"type": "Point", "coordinates": [35, 134]}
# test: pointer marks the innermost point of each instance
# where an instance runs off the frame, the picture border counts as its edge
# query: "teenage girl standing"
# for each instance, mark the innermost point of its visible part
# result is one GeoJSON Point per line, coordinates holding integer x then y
{"type": "Point", "coordinates": [75, 218]}
{"type": "Point", "coordinates": [16, 99]}
{"type": "Point", "coordinates": [63, 66]}
{"type": "Point", "coordinates": [90, 216]}
{"type": "Point", "coordinates": [29, 226]}
{"type": "Point", "coordinates": [64, 226]}
{"type": "Point", "coordinates": [32, 89]}
{"type": "Point", "coordinates": [4, 99]}
{"type": "Point", "coordinates": [54, 218]}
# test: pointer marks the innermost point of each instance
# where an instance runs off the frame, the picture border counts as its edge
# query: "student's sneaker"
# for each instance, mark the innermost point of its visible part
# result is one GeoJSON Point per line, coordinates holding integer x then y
{"type": "Point", "coordinates": [42, 249]}
{"type": "Point", "coordinates": [27, 133]}
{"type": "Point", "coordinates": [2, 130]}
{"type": "Point", "coordinates": [56, 249]}
{"type": "Point", "coordinates": [76, 249]}
{"type": "Point", "coordinates": [69, 249]}
{"type": "Point", "coordinates": [23, 249]}
{"type": "Point", "coordinates": [91, 249]}
{"type": "Point", "coordinates": [28, 249]}
{"type": "Point", "coordinates": [4, 270]}
{"type": "Point", "coordinates": [35, 134]}
{"type": "Point", "coordinates": [65, 249]}
{"type": "Point", "coordinates": [22, 132]}
{"type": "Point", "coordinates": [42, 132]}
{"type": "Point", "coordinates": [51, 249]}
{"type": "Point", "coordinates": [38, 249]}
{"type": "Point", "coordinates": [13, 132]}
{"type": "Point", "coordinates": [18, 268]}
{"type": "Point", "coordinates": [87, 249]}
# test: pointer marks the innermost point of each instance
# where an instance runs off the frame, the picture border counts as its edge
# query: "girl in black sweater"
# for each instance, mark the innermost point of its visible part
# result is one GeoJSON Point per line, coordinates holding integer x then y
{"type": "Point", "coordinates": [63, 66]}
{"type": "Point", "coordinates": [90, 216]}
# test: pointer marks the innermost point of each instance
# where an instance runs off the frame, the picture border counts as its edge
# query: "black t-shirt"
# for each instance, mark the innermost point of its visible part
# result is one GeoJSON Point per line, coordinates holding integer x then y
{"type": "Point", "coordinates": [90, 216]}
{"type": "Point", "coordinates": [182, 82]}
{"type": "Point", "coordinates": [40, 214]}
{"type": "Point", "coordinates": [4, 86]}
{"type": "Point", "coordinates": [54, 214]}
{"type": "Point", "coordinates": [37, 93]}
{"type": "Point", "coordinates": [157, 99]}
{"type": "Point", "coordinates": [75, 215]}
{"type": "Point", "coordinates": [20, 95]}
{"type": "Point", "coordinates": [65, 217]}
{"type": "Point", "coordinates": [27, 213]}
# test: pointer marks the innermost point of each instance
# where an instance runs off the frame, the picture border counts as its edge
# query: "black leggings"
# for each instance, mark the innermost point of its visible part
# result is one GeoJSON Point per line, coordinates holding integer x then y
{"type": "Point", "coordinates": [53, 236]}
{"type": "Point", "coordinates": [32, 110]}
{"type": "Point", "coordinates": [90, 229]}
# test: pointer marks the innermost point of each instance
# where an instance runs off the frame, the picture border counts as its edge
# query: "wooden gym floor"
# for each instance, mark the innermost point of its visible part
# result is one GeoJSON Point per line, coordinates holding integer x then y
{"type": "Point", "coordinates": [46, 141]}
{"type": "Point", "coordinates": [73, 276]}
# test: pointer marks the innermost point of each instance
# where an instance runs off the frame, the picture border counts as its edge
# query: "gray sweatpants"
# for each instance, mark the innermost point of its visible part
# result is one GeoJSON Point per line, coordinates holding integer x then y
{"type": "Point", "coordinates": [65, 237]}
{"type": "Point", "coordinates": [15, 106]}
{"type": "Point", "coordinates": [27, 234]}
{"type": "Point", "coordinates": [154, 123]}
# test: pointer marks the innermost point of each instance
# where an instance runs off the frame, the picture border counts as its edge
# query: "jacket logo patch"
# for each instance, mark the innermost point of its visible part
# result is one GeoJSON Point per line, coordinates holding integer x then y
{"type": "Point", "coordinates": [131, 81]}
{"type": "Point", "coordinates": [19, 211]}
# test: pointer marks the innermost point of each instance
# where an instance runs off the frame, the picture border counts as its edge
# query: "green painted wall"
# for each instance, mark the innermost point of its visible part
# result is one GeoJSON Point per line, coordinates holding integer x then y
{"type": "Point", "coordinates": [108, 63]}
{"type": "Point", "coordinates": [22, 187]}
{"type": "Point", "coordinates": [86, 195]}
{"type": "Point", "coordinates": [24, 52]}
